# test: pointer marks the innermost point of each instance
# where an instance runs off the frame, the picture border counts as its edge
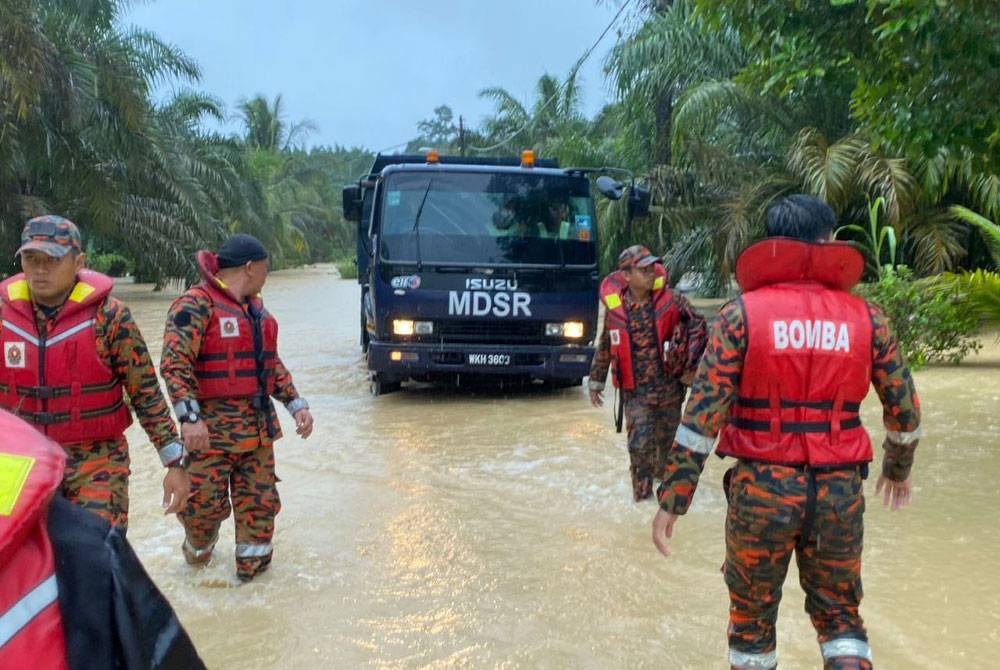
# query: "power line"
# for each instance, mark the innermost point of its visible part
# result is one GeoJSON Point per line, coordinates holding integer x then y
{"type": "Point", "coordinates": [572, 75]}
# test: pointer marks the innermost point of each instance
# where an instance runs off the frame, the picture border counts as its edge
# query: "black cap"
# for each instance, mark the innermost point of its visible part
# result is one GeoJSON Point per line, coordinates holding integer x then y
{"type": "Point", "coordinates": [239, 249]}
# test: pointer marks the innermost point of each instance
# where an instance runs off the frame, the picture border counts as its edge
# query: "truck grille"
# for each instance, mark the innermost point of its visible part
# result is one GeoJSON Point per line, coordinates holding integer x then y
{"type": "Point", "coordinates": [498, 332]}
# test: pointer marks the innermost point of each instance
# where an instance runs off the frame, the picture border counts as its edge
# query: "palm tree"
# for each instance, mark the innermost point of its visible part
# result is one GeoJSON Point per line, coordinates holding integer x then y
{"type": "Point", "coordinates": [266, 126]}
{"type": "Point", "coordinates": [553, 125]}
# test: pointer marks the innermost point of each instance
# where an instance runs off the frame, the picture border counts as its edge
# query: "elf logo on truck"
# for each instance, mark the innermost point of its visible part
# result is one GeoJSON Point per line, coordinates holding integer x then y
{"type": "Point", "coordinates": [482, 303]}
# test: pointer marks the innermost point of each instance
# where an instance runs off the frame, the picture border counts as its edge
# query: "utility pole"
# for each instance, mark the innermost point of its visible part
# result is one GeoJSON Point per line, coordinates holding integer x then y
{"type": "Point", "coordinates": [461, 136]}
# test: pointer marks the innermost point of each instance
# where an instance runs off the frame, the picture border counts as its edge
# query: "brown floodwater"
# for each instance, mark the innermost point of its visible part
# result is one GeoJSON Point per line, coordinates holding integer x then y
{"type": "Point", "coordinates": [442, 528]}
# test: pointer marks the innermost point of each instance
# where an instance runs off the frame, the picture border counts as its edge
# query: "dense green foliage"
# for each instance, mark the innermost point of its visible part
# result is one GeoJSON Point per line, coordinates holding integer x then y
{"type": "Point", "coordinates": [81, 136]}
{"type": "Point", "coordinates": [931, 326]}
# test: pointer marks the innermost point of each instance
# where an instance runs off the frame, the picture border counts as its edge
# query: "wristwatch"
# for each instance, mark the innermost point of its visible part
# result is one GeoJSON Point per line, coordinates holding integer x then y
{"type": "Point", "coordinates": [187, 411]}
{"type": "Point", "coordinates": [190, 417]}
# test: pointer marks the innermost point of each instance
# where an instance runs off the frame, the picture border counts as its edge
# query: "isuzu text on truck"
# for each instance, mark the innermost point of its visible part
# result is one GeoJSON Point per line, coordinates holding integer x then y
{"type": "Point", "coordinates": [473, 267]}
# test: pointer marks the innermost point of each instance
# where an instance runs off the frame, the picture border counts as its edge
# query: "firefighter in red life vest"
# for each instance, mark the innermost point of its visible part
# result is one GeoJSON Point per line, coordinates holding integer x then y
{"type": "Point", "coordinates": [73, 594]}
{"type": "Point", "coordinates": [221, 366]}
{"type": "Point", "coordinates": [781, 383]}
{"type": "Point", "coordinates": [72, 354]}
{"type": "Point", "coordinates": [652, 340]}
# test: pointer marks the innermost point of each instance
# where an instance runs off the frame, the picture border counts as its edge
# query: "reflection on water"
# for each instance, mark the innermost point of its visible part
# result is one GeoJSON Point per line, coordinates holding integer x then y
{"type": "Point", "coordinates": [451, 529]}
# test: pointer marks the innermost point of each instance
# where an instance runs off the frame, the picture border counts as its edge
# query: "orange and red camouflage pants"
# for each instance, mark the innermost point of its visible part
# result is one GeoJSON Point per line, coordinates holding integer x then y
{"type": "Point", "coordinates": [651, 430]}
{"type": "Point", "coordinates": [764, 523]}
{"type": "Point", "coordinates": [247, 479]}
{"type": "Point", "coordinates": [96, 479]}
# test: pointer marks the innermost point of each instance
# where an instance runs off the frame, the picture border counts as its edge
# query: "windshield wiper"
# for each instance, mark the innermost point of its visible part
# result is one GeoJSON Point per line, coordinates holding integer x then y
{"type": "Point", "coordinates": [416, 220]}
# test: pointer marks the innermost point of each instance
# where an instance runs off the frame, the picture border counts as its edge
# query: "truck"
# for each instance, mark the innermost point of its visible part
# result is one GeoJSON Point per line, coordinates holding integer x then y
{"type": "Point", "coordinates": [475, 268]}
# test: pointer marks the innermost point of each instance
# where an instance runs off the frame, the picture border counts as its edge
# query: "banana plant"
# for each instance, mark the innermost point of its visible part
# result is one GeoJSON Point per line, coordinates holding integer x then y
{"type": "Point", "coordinates": [875, 239]}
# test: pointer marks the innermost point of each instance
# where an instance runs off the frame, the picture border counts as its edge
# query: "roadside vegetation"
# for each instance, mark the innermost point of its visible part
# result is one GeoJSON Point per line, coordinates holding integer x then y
{"type": "Point", "coordinates": [879, 107]}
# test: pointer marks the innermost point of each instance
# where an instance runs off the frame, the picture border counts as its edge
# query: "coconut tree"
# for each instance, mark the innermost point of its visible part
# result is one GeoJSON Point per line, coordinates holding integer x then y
{"type": "Point", "coordinates": [266, 125]}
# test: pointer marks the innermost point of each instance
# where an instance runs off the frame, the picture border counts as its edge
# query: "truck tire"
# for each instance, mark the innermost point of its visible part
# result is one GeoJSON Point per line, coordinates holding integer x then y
{"type": "Point", "coordinates": [379, 385]}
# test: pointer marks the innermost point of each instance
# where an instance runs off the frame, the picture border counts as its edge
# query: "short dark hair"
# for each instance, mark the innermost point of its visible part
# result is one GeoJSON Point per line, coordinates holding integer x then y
{"type": "Point", "coordinates": [800, 216]}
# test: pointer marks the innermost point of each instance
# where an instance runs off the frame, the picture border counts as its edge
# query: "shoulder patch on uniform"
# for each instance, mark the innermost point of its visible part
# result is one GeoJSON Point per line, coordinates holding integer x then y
{"type": "Point", "coordinates": [14, 472]}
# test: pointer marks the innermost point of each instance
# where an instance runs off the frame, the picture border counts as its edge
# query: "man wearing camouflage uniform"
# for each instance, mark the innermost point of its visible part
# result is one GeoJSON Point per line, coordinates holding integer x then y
{"type": "Point", "coordinates": [781, 384]}
{"type": "Point", "coordinates": [652, 339]}
{"type": "Point", "coordinates": [221, 366]}
{"type": "Point", "coordinates": [71, 355]}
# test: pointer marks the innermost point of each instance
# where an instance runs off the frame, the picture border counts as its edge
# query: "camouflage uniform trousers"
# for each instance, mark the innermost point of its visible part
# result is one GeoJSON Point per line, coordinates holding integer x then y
{"type": "Point", "coordinates": [764, 525]}
{"type": "Point", "coordinates": [651, 430]}
{"type": "Point", "coordinates": [247, 479]}
{"type": "Point", "coordinates": [96, 479]}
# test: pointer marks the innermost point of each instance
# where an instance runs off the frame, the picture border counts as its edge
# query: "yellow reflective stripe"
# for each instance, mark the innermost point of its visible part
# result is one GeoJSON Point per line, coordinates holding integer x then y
{"type": "Point", "coordinates": [81, 291]}
{"type": "Point", "coordinates": [613, 301]}
{"type": "Point", "coordinates": [14, 470]}
{"type": "Point", "coordinates": [658, 283]}
{"type": "Point", "coordinates": [19, 290]}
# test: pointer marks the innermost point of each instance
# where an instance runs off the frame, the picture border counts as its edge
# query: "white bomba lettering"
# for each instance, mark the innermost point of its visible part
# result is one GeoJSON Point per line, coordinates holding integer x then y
{"type": "Point", "coordinates": [821, 335]}
{"type": "Point", "coordinates": [481, 303]}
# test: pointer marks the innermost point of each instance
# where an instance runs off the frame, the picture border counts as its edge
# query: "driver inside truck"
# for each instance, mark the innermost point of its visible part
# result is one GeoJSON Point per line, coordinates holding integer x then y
{"type": "Point", "coordinates": [506, 221]}
{"type": "Point", "coordinates": [556, 225]}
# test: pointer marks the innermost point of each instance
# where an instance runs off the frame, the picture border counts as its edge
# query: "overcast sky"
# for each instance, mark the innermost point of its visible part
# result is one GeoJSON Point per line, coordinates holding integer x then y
{"type": "Point", "coordinates": [366, 71]}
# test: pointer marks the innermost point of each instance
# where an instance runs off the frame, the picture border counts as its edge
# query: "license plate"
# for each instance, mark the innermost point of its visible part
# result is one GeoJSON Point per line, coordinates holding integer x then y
{"type": "Point", "coordinates": [489, 359]}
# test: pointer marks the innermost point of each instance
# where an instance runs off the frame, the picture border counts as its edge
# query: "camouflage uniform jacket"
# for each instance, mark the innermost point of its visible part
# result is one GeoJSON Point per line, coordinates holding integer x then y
{"type": "Point", "coordinates": [717, 382]}
{"type": "Point", "coordinates": [121, 347]}
{"type": "Point", "coordinates": [653, 386]}
{"type": "Point", "coordinates": [233, 424]}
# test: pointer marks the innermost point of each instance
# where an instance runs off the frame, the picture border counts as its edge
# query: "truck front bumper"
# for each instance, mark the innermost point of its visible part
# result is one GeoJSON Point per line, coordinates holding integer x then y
{"type": "Point", "coordinates": [404, 359]}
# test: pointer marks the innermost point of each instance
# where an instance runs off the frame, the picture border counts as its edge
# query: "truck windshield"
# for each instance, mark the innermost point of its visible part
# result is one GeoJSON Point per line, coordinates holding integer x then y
{"type": "Point", "coordinates": [470, 218]}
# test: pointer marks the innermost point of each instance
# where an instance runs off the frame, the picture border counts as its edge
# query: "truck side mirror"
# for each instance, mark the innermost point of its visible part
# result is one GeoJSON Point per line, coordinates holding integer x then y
{"type": "Point", "coordinates": [352, 202]}
{"type": "Point", "coordinates": [638, 202]}
{"type": "Point", "coordinates": [610, 188]}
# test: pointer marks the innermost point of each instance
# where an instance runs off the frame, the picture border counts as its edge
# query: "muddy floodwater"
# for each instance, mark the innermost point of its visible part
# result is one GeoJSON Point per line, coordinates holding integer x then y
{"type": "Point", "coordinates": [442, 528]}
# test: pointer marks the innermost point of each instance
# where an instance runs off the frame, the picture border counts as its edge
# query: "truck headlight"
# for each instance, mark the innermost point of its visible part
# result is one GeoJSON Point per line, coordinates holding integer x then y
{"type": "Point", "coordinates": [407, 327]}
{"type": "Point", "coordinates": [402, 327]}
{"type": "Point", "coordinates": [569, 329]}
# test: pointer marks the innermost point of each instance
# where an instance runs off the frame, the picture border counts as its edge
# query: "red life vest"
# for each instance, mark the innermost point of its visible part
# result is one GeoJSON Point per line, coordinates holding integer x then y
{"type": "Point", "coordinates": [31, 630]}
{"type": "Point", "coordinates": [57, 381]}
{"type": "Point", "coordinates": [232, 362]}
{"type": "Point", "coordinates": [665, 313]}
{"type": "Point", "coordinates": [808, 362]}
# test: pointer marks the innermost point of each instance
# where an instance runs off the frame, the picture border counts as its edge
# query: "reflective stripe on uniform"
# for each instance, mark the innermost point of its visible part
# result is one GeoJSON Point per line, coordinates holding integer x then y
{"type": "Point", "coordinates": [244, 550]}
{"type": "Point", "coordinates": [658, 283]}
{"type": "Point", "coordinates": [70, 332]}
{"type": "Point", "coordinates": [901, 437]}
{"type": "Point", "coordinates": [846, 646]}
{"type": "Point", "coordinates": [613, 301]}
{"type": "Point", "coordinates": [170, 452]}
{"type": "Point", "coordinates": [694, 441]}
{"type": "Point", "coordinates": [746, 661]}
{"type": "Point", "coordinates": [198, 553]}
{"type": "Point", "coordinates": [28, 337]}
{"type": "Point", "coordinates": [27, 608]}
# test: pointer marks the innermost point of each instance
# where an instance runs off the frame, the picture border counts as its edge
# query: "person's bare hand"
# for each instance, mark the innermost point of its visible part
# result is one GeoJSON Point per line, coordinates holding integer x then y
{"type": "Point", "coordinates": [663, 529]}
{"type": "Point", "coordinates": [176, 489]}
{"type": "Point", "coordinates": [195, 436]}
{"type": "Point", "coordinates": [303, 423]}
{"type": "Point", "coordinates": [597, 398]}
{"type": "Point", "coordinates": [896, 494]}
